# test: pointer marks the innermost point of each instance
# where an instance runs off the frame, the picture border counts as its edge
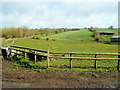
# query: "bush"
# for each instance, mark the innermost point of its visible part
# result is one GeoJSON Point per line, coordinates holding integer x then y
{"type": "Point", "coordinates": [47, 39]}
{"type": "Point", "coordinates": [24, 62]}
{"type": "Point", "coordinates": [37, 38]}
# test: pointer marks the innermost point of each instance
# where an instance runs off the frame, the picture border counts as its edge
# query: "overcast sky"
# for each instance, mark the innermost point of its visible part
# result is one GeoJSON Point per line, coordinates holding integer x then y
{"type": "Point", "coordinates": [59, 14]}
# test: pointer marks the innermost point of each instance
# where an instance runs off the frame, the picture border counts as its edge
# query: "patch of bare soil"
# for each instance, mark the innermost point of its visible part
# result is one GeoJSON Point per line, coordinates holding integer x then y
{"type": "Point", "coordinates": [18, 77]}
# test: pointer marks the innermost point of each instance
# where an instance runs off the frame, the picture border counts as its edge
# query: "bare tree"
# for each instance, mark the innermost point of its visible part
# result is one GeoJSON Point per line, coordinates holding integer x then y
{"type": "Point", "coordinates": [111, 27]}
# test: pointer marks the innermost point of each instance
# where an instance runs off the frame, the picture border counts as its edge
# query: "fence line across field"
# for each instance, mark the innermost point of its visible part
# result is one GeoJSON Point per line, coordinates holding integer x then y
{"type": "Point", "coordinates": [48, 54]}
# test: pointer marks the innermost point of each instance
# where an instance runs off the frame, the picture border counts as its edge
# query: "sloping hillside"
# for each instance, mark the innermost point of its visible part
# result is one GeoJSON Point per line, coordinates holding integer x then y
{"type": "Point", "coordinates": [83, 34]}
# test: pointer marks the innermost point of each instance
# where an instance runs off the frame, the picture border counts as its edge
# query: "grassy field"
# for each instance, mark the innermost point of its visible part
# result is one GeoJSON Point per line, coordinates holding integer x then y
{"type": "Point", "coordinates": [71, 35]}
{"type": "Point", "coordinates": [82, 34]}
{"type": "Point", "coordinates": [73, 41]}
{"type": "Point", "coordinates": [62, 65]}
{"type": "Point", "coordinates": [80, 65]}
{"type": "Point", "coordinates": [107, 38]}
{"type": "Point", "coordinates": [73, 46]}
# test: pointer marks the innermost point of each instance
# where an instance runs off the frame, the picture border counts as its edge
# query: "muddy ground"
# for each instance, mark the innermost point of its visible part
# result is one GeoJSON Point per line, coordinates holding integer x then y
{"type": "Point", "coordinates": [18, 77]}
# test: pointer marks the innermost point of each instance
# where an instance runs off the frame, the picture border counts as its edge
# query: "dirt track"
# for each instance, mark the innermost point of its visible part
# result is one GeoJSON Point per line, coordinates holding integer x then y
{"type": "Point", "coordinates": [18, 77]}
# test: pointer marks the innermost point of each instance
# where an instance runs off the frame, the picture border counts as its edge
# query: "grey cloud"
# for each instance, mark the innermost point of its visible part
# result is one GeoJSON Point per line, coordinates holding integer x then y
{"type": "Point", "coordinates": [88, 9]}
{"type": "Point", "coordinates": [59, 14]}
{"type": "Point", "coordinates": [19, 7]}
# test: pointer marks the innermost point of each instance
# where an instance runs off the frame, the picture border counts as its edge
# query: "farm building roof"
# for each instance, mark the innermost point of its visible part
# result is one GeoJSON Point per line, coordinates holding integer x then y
{"type": "Point", "coordinates": [105, 33]}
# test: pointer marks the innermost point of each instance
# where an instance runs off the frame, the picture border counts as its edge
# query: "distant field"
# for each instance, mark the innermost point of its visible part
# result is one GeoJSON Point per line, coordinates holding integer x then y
{"type": "Point", "coordinates": [108, 30]}
{"type": "Point", "coordinates": [82, 34]}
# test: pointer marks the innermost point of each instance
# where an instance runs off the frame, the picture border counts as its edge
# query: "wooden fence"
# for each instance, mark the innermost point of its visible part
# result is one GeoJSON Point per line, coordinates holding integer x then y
{"type": "Point", "coordinates": [49, 55]}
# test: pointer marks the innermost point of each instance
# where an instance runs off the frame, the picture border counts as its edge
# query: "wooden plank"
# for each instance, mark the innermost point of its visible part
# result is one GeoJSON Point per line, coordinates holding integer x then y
{"type": "Point", "coordinates": [84, 53]}
{"type": "Point", "coordinates": [83, 58]}
{"type": "Point", "coordinates": [27, 52]}
{"type": "Point", "coordinates": [29, 49]}
{"type": "Point", "coordinates": [17, 50]}
{"type": "Point", "coordinates": [67, 52]}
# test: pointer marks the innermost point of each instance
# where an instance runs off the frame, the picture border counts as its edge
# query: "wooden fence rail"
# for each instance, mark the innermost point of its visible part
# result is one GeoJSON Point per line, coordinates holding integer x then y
{"type": "Point", "coordinates": [29, 49]}
{"type": "Point", "coordinates": [48, 54]}
{"type": "Point", "coordinates": [84, 53]}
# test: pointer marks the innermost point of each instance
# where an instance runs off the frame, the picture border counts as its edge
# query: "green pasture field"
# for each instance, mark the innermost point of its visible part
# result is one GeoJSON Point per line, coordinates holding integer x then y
{"type": "Point", "coordinates": [107, 38]}
{"type": "Point", "coordinates": [73, 41]}
{"type": "Point", "coordinates": [82, 34]}
{"type": "Point", "coordinates": [62, 65]}
{"type": "Point", "coordinates": [108, 30]}
{"type": "Point", "coordinates": [66, 46]}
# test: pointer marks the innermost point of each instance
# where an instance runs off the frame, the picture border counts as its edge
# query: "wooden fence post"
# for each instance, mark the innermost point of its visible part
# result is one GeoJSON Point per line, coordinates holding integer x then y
{"type": "Point", "coordinates": [35, 57]}
{"type": "Point", "coordinates": [118, 62]}
{"type": "Point", "coordinates": [48, 60]}
{"type": "Point", "coordinates": [118, 65]}
{"type": "Point", "coordinates": [25, 55]}
{"type": "Point", "coordinates": [70, 61]}
{"type": "Point", "coordinates": [95, 64]}
{"type": "Point", "coordinates": [17, 53]}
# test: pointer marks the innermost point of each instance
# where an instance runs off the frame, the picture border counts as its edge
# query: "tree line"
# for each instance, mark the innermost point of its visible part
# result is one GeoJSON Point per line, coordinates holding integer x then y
{"type": "Point", "coordinates": [17, 32]}
{"type": "Point", "coordinates": [24, 32]}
